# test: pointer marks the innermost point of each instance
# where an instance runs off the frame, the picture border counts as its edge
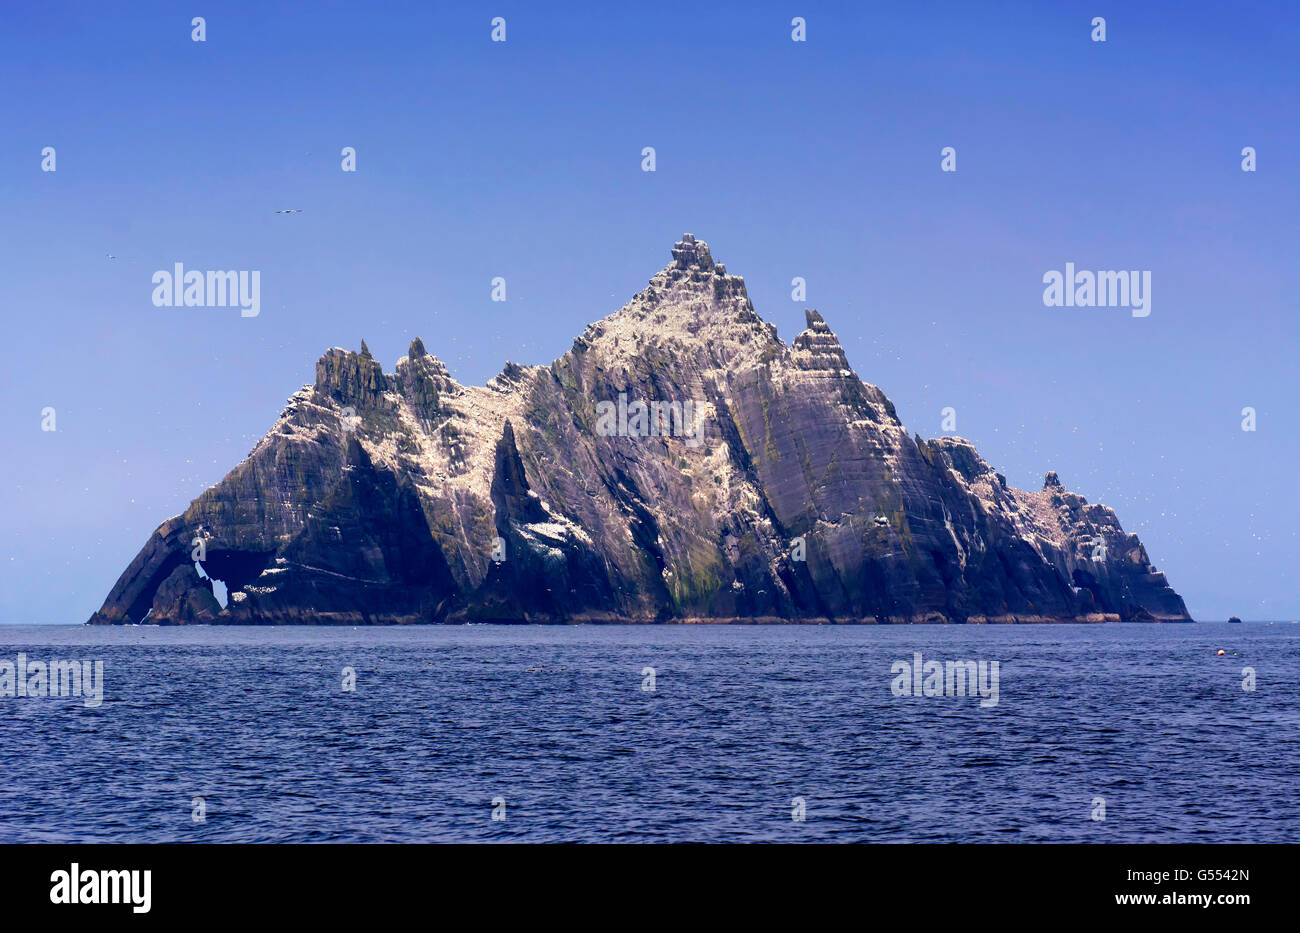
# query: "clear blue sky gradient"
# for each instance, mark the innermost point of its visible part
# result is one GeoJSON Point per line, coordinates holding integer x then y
{"type": "Point", "coordinates": [523, 159]}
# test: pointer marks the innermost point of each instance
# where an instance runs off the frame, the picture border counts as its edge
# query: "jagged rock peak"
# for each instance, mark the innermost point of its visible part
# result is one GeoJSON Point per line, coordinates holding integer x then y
{"type": "Point", "coordinates": [963, 457]}
{"type": "Point", "coordinates": [690, 302]}
{"type": "Point", "coordinates": [815, 321]}
{"type": "Point", "coordinates": [365, 350]}
{"type": "Point", "coordinates": [821, 344]}
{"type": "Point", "coordinates": [512, 374]}
{"type": "Point", "coordinates": [692, 252]}
{"type": "Point", "coordinates": [350, 377]}
{"type": "Point", "coordinates": [693, 271]}
{"type": "Point", "coordinates": [423, 360]}
{"type": "Point", "coordinates": [423, 380]}
{"type": "Point", "coordinates": [1051, 480]}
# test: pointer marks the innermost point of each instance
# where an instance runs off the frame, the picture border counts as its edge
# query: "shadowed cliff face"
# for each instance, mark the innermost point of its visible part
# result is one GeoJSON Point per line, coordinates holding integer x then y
{"type": "Point", "coordinates": [679, 463]}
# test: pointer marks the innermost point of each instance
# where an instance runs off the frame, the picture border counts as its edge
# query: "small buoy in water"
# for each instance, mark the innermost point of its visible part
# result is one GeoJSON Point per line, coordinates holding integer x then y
{"type": "Point", "coordinates": [1221, 651]}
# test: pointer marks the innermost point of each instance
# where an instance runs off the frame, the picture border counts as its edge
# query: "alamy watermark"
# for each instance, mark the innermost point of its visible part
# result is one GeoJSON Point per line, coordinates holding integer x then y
{"type": "Point", "coordinates": [53, 679]}
{"type": "Point", "coordinates": [79, 885]}
{"type": "Point", "coordinates": [946, 679]}
{"type": "Point", "coordinates": [210, 289]}
{"type": "Point", "coordinates": [651, 419]}
{"type": "Point", "coordinates": [1105, 289]}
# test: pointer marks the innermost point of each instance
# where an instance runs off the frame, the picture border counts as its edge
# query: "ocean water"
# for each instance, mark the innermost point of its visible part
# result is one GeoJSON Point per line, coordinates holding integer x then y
{"type": "Point", "coordinates": [554, 721]}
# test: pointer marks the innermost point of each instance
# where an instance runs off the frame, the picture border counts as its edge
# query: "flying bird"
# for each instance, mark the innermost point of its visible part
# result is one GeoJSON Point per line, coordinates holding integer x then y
{"type": "Point", "coordinates": [288, 212]}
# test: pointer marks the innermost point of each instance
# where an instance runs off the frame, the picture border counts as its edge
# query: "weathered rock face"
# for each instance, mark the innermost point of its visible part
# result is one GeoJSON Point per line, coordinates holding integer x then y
{"type": "Point", "coordinates": [679, 463]}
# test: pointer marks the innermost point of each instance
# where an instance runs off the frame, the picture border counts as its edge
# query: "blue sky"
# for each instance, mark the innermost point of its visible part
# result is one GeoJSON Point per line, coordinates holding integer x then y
{"type": "Point", "coordinates": [522, 159]}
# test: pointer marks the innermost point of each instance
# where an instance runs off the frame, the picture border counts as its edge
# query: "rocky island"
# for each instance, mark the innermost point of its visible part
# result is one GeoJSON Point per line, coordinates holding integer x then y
{"type": "Point", "coordinates": [679, 463]}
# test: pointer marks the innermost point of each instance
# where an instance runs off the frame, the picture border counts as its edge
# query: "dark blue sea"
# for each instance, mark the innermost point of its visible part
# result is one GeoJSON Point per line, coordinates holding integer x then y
{"type": "Point", "coordinates": [556, 726]}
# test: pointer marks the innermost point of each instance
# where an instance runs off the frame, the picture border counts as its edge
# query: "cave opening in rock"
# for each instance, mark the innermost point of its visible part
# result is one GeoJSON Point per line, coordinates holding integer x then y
{"type": "Point", "coordinates": [219, 590]}
{"type": "Point", "coordinates": [224, 573]}
{"type": "Point", "coordinates": [231, 571]}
